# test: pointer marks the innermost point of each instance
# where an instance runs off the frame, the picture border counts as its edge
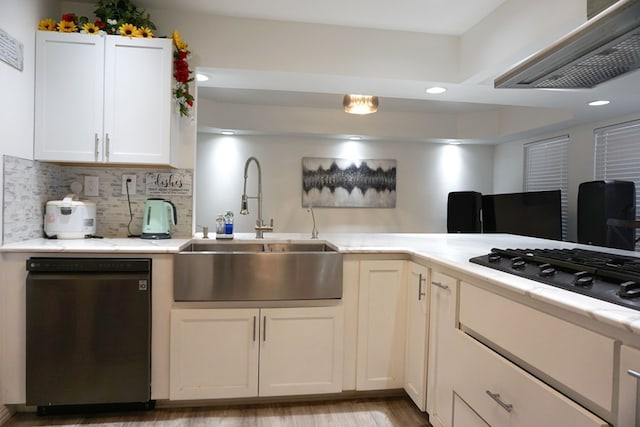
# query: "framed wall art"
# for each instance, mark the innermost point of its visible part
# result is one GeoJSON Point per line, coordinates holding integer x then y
{"type": "Point", "coordinates": [346, 183]}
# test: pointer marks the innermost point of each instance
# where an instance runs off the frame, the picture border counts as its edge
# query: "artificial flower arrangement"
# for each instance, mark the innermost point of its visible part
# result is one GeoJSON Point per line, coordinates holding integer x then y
{"type": "Point", "coordinates": [182, 74]}
{"type": "Point", "coordinates": [123, 17]}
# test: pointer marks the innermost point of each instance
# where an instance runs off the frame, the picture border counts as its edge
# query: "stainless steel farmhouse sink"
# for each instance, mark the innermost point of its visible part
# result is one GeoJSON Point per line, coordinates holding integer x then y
{"type": "Point", "coordinates": [251, 271]}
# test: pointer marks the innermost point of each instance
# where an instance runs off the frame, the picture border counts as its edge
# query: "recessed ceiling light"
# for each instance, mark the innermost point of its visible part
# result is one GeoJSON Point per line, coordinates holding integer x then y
{"type": "Point", "coordinates": [201, 77]}
{"type": "Point", "coordinates": [454, 142]}
{"type": "Point", "coordinates": [599, 102]}
{"type": "Point", "coordinates": [355, 138]}
{"type": "Point", "coordinates": [436, 90]}
{"type": "Point", "coordinates": [228, 132]}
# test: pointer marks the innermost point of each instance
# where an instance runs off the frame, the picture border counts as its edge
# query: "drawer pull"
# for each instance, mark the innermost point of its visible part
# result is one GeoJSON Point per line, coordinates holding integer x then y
{"type": "Point", "coordinates": [440, 285]}
{"type": "Point", "coordinates": [634, 373]}
{"type": "Point", "coordinates": [496, 396]}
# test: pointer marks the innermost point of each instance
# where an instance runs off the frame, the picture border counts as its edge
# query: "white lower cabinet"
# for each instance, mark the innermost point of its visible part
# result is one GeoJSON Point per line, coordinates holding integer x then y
{"type": "Point", "coordinates": [214, 353]}
{"type": "Point", "coordinates": [443, 359]}
{"type": "Point", "coordinates": [381, 325]}
{"type": "Point", "coordinates": [505, 395]}
{"type": "Point", "coordinates": [301, 351]}
{"type": "Point", "coordinates": [569, 356]}
{"type": "Point", "coordinates": [629, 395]}
{"type": "Point", "coordinates": [226, 353]}
{"type": "Point", "coordinates": [415, 361]}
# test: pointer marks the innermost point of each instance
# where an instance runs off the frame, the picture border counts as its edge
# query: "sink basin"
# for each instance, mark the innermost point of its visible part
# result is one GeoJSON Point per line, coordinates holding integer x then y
{"type": "Point", "coordinates": [253, 271]}
{"type": "Point", "coordinates": [252, 247]}
{"type": "Point", "coordinates": [225, 247]}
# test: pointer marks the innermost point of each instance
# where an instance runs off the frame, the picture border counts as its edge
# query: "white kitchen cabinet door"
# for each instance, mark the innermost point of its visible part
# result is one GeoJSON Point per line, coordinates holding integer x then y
{"type": "Point", "coordinates": [415, 362]}
{"type": "Point", "coordinates": [69, 97]}
{"type": "Point", "coordinates": [103, 99]}
{"type": "Point", "coordinates": [442, 354]}
{"type": "Point", "coordinates": [137, 100]}
{"type": "Point", "coordinates": [301, 350]}
{"type": "Point", "coordinates": [381, 325]}
{"type": "Point", "coordinates": [214, 353]}
{"type": "Point", "coordinates": [629, 396]}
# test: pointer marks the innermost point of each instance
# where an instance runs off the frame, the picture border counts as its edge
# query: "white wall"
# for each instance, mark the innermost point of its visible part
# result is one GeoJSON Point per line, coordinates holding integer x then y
{"type": "Point", "coordinates": [426, 174]}
{"type": "Point", "coordinates": [20, 19]}
{"type": "Point", "coordinates": [509, 163]}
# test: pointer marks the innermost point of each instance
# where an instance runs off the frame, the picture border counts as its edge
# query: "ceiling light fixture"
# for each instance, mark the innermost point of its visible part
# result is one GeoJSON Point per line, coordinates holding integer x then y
{"type": "Point", "coordinates": [202, 77]}
{"type": "Point", "coordinates": [228, 132]}
{"type": "Point", "coordinates": [360, 104]}
{"type": "Point", "coordinates": [436, 90]}
{"type": "Point", "coordinates": [355, 138]}
{"type": "Point", "coordinates": [598, 103]}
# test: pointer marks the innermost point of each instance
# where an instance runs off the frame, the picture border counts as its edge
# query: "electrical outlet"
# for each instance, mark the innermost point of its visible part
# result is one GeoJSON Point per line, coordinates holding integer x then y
{"type": "Point", "coordinates": [132, 184]}
{"type": "Point", "coordinates": [91, 186]}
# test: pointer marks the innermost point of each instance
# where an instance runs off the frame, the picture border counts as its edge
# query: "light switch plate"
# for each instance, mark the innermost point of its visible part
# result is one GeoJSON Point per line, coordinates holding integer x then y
{"type": "Point", "coordinates": [91, 186]}
{"type": "Point", "coordinates": [132, 184]}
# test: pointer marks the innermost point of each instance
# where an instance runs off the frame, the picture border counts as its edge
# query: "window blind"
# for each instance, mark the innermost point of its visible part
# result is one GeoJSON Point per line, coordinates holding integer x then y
{"type": "Point", "coordinates": [546, 167]}
{"type": "Point", "coordinates": [617, 154]}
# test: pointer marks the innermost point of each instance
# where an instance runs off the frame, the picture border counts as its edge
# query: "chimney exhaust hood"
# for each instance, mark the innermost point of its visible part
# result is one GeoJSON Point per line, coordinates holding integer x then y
{"type": "Point", "coordinates": [602, 48]}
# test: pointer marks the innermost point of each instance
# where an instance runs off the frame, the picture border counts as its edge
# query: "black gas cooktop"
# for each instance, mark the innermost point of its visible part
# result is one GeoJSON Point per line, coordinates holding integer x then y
{"type": "Point", "coordinates": [605, 276]}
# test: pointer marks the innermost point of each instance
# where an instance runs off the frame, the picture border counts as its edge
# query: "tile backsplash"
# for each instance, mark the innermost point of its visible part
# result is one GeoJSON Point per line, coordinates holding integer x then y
{"type": "Point", "coordinates": [29, 184]}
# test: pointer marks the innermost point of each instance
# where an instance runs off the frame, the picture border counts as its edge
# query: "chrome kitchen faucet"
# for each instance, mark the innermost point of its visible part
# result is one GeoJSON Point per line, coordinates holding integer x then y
{"type": "Point", "coordinates": [244, 206]}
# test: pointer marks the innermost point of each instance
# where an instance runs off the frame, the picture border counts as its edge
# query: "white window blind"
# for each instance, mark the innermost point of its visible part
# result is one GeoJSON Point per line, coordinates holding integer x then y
{"type": "Point", "coordinates": [617, 154]}
{"type": "Point", "coordinates": [546, 165]}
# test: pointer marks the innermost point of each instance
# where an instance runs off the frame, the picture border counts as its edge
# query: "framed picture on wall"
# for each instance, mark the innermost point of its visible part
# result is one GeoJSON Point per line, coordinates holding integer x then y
{"type": "Point", "coordinates": [347, 183]}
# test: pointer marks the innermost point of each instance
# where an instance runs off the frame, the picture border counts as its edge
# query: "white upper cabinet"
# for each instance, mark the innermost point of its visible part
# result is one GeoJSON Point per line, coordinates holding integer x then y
{"type": "Point", "coordinates": [103, 99]}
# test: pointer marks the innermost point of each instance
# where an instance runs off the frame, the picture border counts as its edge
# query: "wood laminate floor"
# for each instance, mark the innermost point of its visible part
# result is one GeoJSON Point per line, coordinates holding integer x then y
{"type": "Point", "coordinates": [382, 412]}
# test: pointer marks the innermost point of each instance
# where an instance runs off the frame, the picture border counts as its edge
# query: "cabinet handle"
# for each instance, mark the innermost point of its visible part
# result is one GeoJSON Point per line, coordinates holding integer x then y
{"type": "Point", "coordinates": [96, 141]}
{"type": "Point", "coordinates": [254, 328]}
{"type": "Point", "coordinates": [496, 396]}
{"type": "Point", "coordinates": [264, 330]}
{"type": "Point", "coordinates": [421, 280]}
{"type": "Point", "coordinates": [440, 285]}
{"type": "Point", "coordinates": [107, 143]}
{"type": "Point", "coordinates": [634, 374]}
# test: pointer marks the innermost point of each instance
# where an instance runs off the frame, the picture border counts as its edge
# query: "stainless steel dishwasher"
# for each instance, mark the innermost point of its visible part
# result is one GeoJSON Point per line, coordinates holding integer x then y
{"type": "Point", "coordinates": [88, 339]}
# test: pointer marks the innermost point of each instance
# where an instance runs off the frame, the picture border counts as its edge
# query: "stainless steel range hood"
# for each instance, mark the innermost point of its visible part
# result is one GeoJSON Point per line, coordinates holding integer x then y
{"type": "Point", "coordinates": [602, 48]}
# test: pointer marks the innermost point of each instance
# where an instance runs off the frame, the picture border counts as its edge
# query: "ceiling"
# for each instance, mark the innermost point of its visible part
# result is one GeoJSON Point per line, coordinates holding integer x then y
{"type": "Point", "coordinates": [447, 17]}
{"type": "Point", "coordinates": [452, 17]}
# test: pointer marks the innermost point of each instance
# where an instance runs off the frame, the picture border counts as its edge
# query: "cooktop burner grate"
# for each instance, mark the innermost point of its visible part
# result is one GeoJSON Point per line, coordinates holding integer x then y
{"type": "Point", "coordinates": [605, 276]}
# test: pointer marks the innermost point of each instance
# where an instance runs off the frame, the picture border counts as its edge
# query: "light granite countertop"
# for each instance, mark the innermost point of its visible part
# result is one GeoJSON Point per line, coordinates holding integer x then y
{"type": "Point", "coordinates": [449, 250]}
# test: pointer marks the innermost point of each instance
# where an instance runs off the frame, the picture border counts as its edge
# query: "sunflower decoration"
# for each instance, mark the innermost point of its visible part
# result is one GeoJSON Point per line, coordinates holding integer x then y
{"type": "Point", "coordinates": [90, 28]}
{"type": "Point", "coordinates": [47, 25]}
{"type": "Point", "coordinates": [67, 27]}
{"type": "Point", "coordinates": [182, 74]}
{"type": "Point", "coordinates": [128, 30]}
{"type": "Point", "coordinates": [145, 33]}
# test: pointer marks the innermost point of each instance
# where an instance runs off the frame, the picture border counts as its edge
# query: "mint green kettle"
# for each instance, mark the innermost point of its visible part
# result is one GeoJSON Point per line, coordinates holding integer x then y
{"type": "Point", "coordinates": [159, 215]}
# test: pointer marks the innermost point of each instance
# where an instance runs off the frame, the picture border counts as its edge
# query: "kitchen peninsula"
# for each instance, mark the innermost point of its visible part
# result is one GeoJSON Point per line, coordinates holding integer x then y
{"type": "Point", "coordinates": [463, 340]}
